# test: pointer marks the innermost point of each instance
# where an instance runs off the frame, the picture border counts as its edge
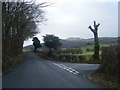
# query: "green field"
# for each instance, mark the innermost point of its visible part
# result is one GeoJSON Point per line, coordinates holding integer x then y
{"type": "Point", "coordinates": [87, 51]}
{"type": "Point", "coordinates": [91, 47]}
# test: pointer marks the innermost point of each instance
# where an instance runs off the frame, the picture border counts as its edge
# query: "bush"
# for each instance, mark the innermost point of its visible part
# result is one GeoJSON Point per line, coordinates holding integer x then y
{"type": "Point", "coordinates": [72, 58]}
{"type": "Point", "coordinates": [109, 62]}
{"type": "Point", "coordinates": [71, 51]}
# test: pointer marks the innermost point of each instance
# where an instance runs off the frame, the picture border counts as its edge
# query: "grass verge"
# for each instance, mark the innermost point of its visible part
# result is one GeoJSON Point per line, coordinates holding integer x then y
{"type": "Point", "coordinates": [100, 77]}
{"type": "Point", "coordinates": [9, 62]}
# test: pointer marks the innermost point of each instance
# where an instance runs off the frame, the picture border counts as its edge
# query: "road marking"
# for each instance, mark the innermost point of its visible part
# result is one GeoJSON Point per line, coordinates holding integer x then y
{"type": "Point", "coordinates": [71, 70]}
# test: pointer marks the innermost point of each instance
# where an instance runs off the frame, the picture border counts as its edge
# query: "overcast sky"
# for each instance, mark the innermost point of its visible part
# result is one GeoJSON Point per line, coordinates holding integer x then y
{"type": "Point", "coordinates": [71, 18]}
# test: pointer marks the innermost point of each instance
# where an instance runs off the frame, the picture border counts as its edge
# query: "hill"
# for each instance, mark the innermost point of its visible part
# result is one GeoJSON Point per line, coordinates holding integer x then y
{"type": "Point", "coordinates": [75, 42]}
{"type": "Point", "coordinates": [78, 42]}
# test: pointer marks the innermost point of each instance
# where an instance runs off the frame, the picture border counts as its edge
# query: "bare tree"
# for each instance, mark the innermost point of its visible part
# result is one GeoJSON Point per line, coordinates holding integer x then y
{"type": "Point", "coordinates": [96, 40]}
{"type": "Point", "coordinates": [19, 22]}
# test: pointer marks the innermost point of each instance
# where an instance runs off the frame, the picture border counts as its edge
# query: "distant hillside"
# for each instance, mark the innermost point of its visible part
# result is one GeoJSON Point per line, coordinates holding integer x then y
{"type": "Point", "coordinates": [78, 42]}
{"type": "Point", "coordinates": [74, 42]}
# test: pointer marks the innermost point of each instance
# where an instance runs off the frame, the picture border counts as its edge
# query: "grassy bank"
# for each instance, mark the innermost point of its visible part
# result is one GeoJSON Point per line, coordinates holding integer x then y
{"type": "Point", "coordinates": [10, 61]}
{"type": "Point", "coordinates": [109, 71]}
{"type": "Point", "coordinates": [101, 78]}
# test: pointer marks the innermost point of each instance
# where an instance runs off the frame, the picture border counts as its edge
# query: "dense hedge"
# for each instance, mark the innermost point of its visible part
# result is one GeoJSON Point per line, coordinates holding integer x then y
{"type": "Point", "coordinates": [70, 51]}
{"type": "Point", "coordinates": [67, 55]}
{"type": "Point", "coordinates": [109, 62]}
{"type": "Point", "coordinates": [71, 58]}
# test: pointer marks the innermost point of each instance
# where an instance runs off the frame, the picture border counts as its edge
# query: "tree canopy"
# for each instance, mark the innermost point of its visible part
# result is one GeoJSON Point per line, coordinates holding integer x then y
{"type": "Point", "coordinates": [36, 43]}
{"type": "Point", "coordinates": [51, 41]}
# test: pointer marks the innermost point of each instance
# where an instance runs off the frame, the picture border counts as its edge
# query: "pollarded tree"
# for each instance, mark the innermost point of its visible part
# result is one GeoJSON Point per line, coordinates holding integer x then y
{"type": "Point", "coordinates": [51, 41]}
{"type": "Point", "coordinates": [96, 40]}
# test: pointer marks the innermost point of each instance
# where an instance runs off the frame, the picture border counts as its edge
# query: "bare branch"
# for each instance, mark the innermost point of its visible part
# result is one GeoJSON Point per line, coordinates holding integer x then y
{"type": "Point", "coordinates": [98, 24]}
{"type": "Point", "coordinates": [44, 4]}
{"type": "Point", "coordinates": [94, 24]}
{"type": "Point", "coordinates": [91, 29]}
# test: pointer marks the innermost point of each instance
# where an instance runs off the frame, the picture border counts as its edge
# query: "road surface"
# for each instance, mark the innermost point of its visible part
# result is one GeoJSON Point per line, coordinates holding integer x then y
{"type": "Point", "coordinates": [36, 72]}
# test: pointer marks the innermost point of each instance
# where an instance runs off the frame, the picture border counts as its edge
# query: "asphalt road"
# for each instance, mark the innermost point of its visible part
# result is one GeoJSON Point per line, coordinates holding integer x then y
{"type": "Point", "coordinates": [83, 69]}
{"type": "Point", "coordinates": [36, 72]}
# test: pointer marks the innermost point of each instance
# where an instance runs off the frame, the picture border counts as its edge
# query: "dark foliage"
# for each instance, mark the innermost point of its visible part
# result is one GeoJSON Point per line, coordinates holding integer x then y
{"type": "Point", "coordinates": [51, 41]}
{"type": "Point", "coordinates": [110, 63]}
{"type": "Point", "coordinates": [19, 22]}
{"type": "Point", "coordinates": [36, 43]}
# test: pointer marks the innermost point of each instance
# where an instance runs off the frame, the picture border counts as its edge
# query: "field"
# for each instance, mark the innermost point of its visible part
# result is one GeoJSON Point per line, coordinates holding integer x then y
{"type": "Point", "coordinates": [79, 55]}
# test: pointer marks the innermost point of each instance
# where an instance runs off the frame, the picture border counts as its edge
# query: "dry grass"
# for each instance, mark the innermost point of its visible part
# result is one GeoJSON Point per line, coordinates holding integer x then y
{"type": "Point", "coordinates": [9, 62]}
{"type": "Point", "coordinates": [100, 77]}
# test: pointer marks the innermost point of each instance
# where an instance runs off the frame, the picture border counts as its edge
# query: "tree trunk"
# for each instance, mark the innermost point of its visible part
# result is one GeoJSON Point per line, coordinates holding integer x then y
{"type": "Point", "coordinates": [96, 41]}
{"type": "Point", "coordinates": [96, 47]}
{"type": "Point", "coordinates": [50, 52]}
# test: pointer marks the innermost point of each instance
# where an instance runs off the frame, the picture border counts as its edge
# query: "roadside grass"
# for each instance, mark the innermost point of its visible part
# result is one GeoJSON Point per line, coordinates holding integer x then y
{"type": "Point", "coordinates": [108, 72]}
{"type": "Point", "coordinates": [100, 77]}
{"type": "Point", "coordinates": [43, 54]}
{"type": "Point", "coordinates": [10, 61]}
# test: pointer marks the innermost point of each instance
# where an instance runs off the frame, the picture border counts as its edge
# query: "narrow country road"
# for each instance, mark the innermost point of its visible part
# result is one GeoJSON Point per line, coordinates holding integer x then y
{"type": "Point", "coordinates": [36, 72]}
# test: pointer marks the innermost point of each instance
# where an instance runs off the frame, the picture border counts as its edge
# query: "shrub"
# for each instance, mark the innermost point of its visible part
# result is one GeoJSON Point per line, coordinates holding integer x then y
{"type": "Point", "coordinates": [71, 58]}
{"type": "Point", "coordinates": [109, 62]}
{"type": "Point", "coordinates": [71, 51]}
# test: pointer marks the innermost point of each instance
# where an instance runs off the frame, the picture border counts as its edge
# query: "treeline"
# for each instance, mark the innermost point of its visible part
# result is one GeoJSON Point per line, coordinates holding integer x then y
{"type": "Point", "coordinates": [19, 22]}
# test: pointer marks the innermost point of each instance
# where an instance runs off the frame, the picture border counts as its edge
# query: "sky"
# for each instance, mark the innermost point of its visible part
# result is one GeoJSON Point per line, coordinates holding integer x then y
{"type": "Point", "coordinates": [71, 18]}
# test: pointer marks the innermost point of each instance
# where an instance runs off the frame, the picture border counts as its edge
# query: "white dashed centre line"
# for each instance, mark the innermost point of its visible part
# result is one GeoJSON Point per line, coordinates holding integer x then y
{"type": "Point", "coordinates": [71, 70]}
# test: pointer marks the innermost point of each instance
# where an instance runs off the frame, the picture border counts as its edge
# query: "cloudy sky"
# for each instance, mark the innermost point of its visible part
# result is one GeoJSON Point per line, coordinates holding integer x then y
{"type": "Point", "coordinates": [71, 18]}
